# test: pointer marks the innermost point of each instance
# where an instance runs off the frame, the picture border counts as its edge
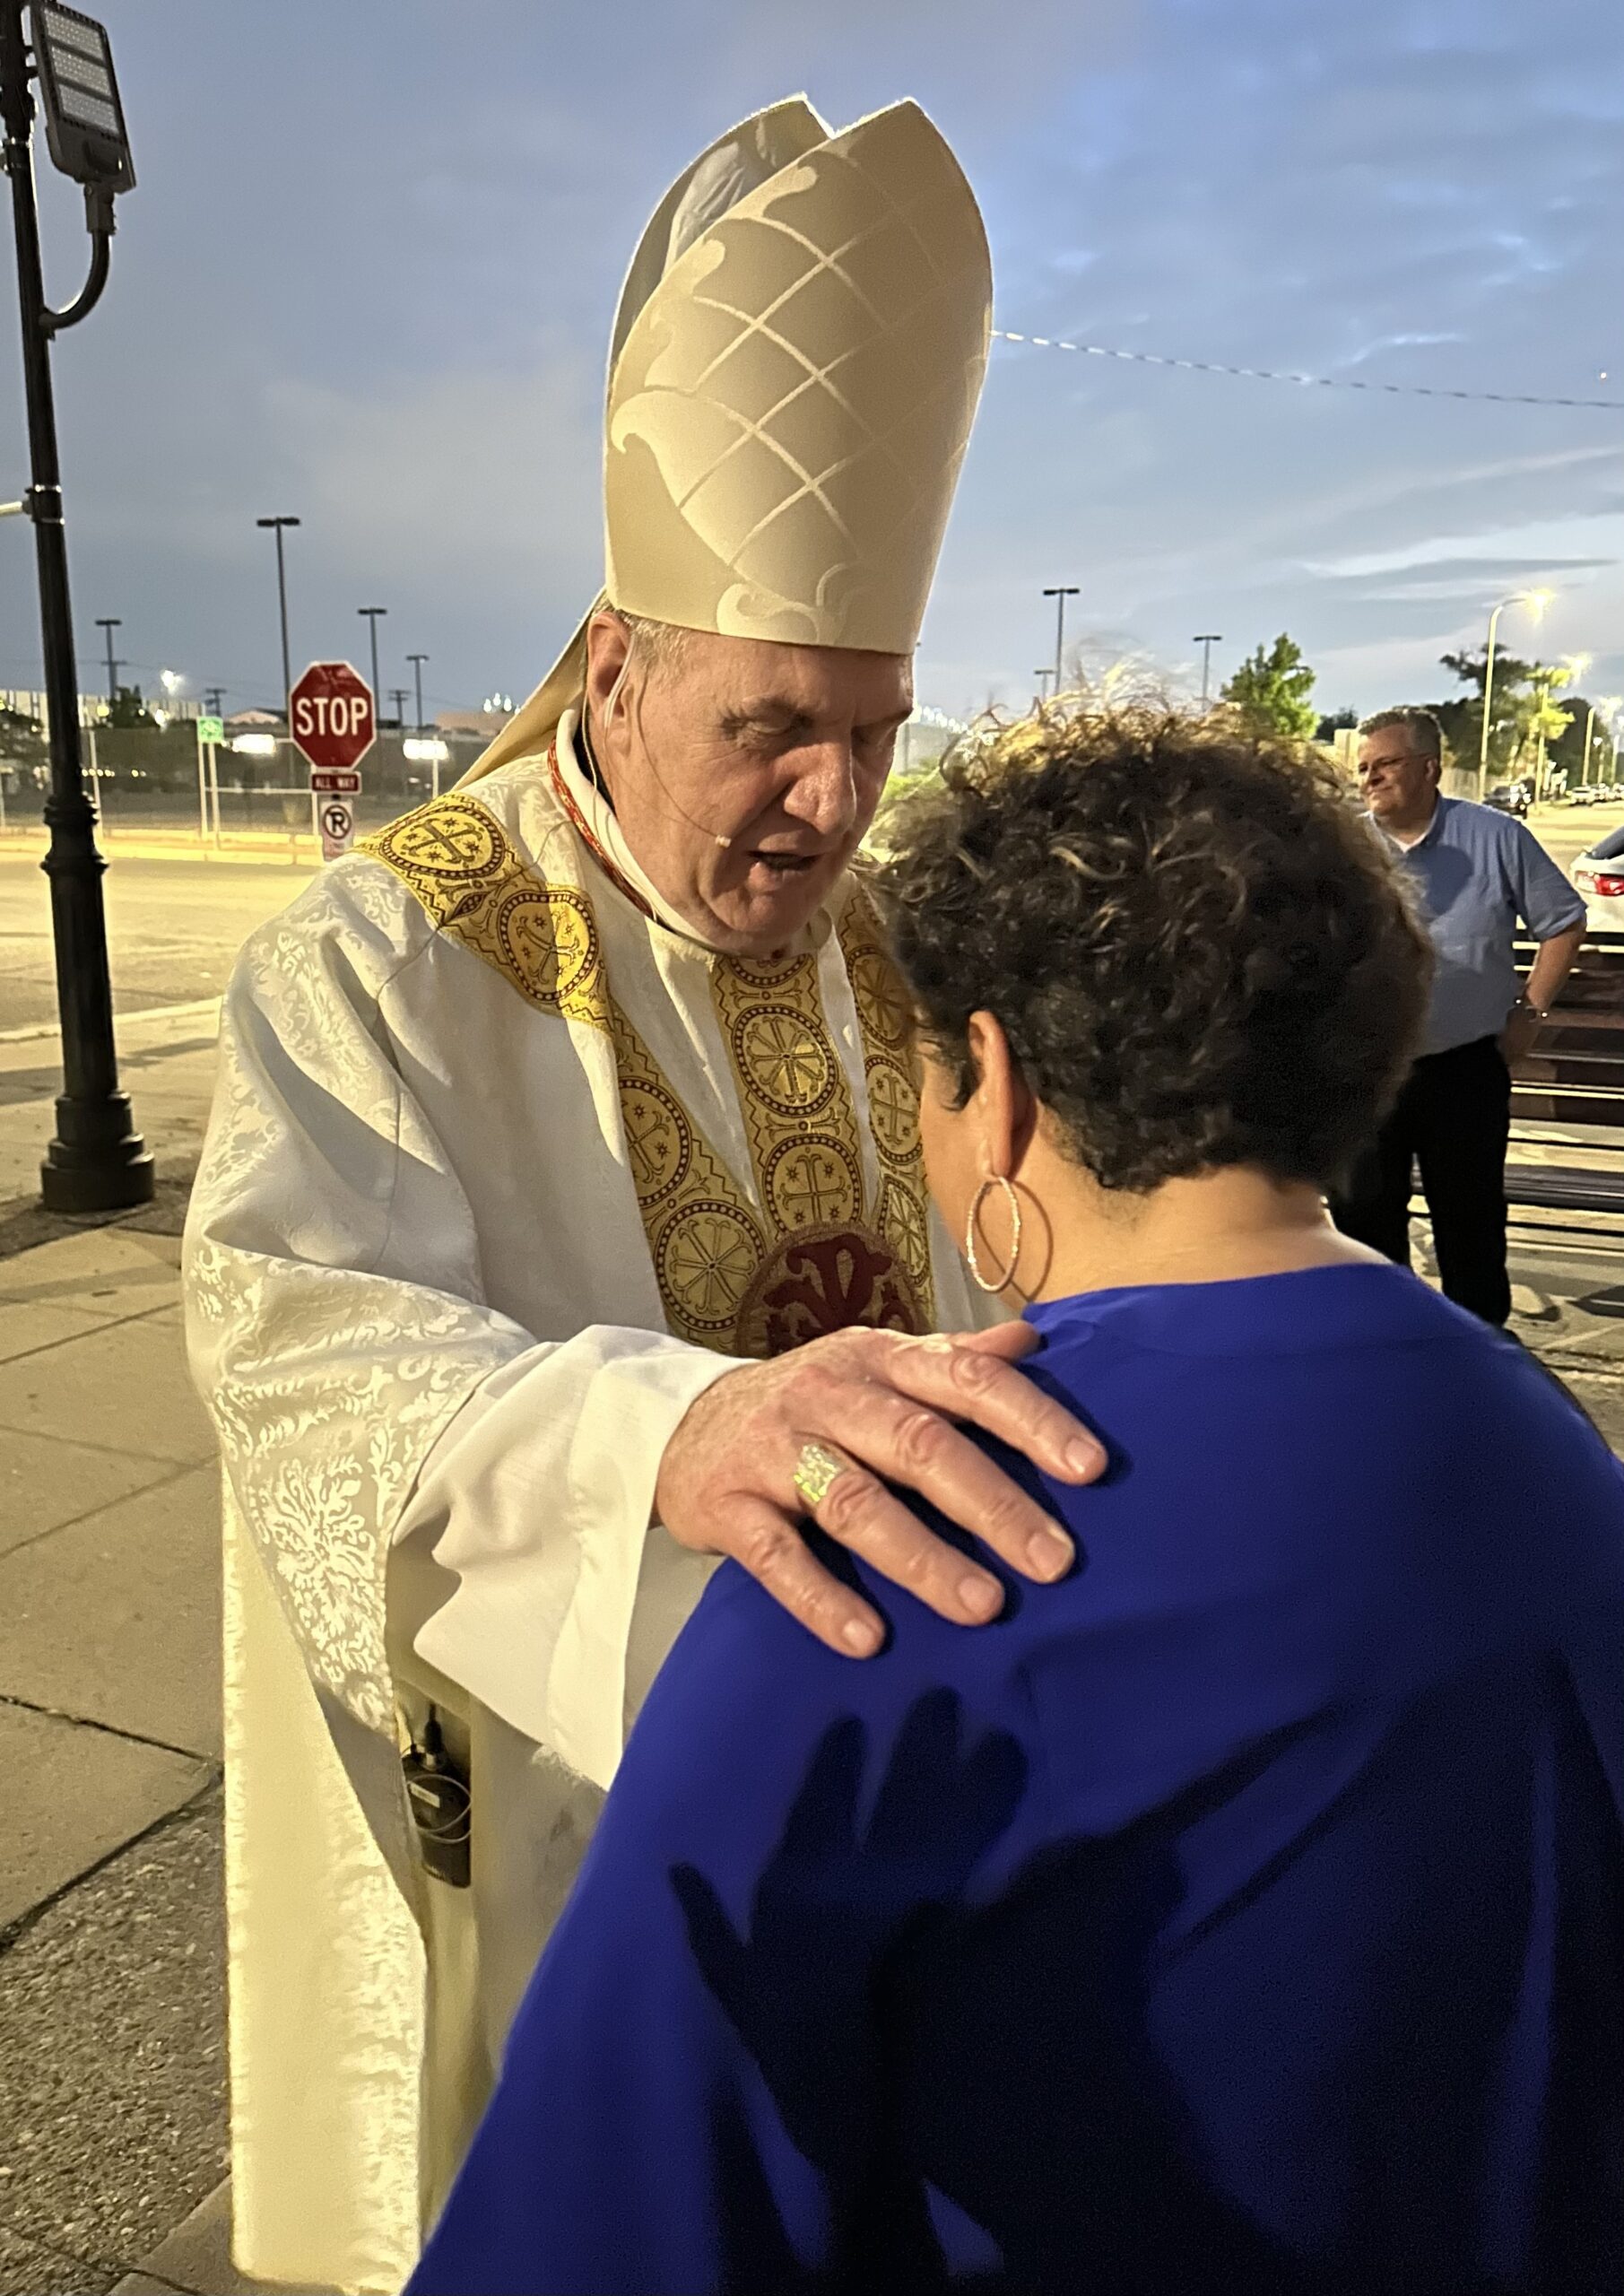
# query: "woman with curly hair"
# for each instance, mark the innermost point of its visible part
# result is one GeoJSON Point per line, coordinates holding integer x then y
{"type": "Point", "coordinates": [1243, 1913]}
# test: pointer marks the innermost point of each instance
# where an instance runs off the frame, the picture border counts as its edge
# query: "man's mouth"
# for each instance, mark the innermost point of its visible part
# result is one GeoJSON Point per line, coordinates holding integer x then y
{"type": "Point", "coordinates": [786, 865]}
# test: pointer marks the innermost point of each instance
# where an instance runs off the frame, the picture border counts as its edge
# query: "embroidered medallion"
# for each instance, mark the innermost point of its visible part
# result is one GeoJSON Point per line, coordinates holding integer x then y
{"type": "Point", "coordinates": [748, 1279]}
{"type": "Point", "coordinates": [893, 1096]}
{"type": "Point", "coordinates": [822, 1280]}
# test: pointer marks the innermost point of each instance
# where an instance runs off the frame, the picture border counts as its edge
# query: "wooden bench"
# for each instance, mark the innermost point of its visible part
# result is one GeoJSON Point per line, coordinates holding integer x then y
{"type": "Point", "coordinates": [1573, 1078]}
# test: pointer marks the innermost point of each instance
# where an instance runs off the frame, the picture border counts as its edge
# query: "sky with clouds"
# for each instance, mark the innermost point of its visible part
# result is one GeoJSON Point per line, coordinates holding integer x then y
{"type": "Point", "coordinates": [367, 275]}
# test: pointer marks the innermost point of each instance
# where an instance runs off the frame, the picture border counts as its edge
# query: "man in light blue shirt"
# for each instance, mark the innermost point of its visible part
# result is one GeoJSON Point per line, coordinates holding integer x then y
{"type": "Point", "coordinates": [1477, 873]}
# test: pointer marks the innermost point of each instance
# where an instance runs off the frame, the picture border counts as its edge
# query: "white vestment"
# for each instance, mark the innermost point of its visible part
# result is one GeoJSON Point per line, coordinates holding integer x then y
{"type": "Point", "coordinates": [503, 1172]}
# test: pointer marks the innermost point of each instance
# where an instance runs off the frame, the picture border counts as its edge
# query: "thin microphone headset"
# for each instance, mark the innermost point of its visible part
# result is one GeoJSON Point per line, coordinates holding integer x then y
{"type": "Point", "coordinates": [609, 707]}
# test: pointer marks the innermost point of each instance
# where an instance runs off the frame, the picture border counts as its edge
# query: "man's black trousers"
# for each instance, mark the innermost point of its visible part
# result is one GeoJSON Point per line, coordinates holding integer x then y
{"type": "Point", "coordinates": [1453, 1117]}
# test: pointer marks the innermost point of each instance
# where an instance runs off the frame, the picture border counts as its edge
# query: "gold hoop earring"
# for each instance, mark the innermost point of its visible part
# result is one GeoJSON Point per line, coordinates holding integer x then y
{"type": "Point", "coordinates": [996, 1180]}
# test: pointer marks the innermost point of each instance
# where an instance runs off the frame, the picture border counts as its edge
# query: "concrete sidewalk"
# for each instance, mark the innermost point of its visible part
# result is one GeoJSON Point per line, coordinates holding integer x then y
{"type": "Point", "coordinates": [112, 2009]}
{"type": "Point", "coordinates": [165, 1063]}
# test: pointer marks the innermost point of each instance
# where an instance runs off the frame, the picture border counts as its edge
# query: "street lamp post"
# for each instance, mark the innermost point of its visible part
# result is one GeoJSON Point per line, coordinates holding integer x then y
{"type": "Point", "coordinates": [1060, 594]}
{"type": "Point", "coordinates": [277, 526]}
{"type": "Point", "coordinates": [1206, 639]}
{"type": "Point", "coordinates": [109, 622]}
{"type": "Point", "coordinates": [417, 661]}
{"type": "Point", "coordinates": [97, 1162]}
{"type": "Point", "coordinates": [1536, 600]}
{"type": "Point", "coordinates": [1043, 677]}
{"type": "Point", "coordinates": [371, 614]}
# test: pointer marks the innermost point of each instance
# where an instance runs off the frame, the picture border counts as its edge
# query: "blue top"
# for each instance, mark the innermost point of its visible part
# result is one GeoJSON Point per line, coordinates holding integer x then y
{"type": "Point", "coordinates": [1243, 1916]}
{"type": "Point", "coordinates": [1477, 873]}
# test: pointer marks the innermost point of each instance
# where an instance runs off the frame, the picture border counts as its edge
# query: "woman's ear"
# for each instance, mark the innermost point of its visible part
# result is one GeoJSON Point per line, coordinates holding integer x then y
{"type": "Point", "coordinates": [1004, 1111]}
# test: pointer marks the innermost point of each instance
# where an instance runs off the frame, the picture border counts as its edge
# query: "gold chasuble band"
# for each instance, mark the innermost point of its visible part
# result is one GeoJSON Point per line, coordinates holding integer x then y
{"type": "Point", "coordinates": [809, 1255]}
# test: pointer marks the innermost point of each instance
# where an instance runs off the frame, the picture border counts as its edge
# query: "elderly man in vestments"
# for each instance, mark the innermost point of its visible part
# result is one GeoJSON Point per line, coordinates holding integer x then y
{"type": "Point", "coordinates": [539, 1111]}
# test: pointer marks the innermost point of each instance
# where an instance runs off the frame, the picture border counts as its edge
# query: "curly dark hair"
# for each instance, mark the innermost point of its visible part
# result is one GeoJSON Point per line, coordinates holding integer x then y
{"type": "Point", "coordinates": [1198, 952]}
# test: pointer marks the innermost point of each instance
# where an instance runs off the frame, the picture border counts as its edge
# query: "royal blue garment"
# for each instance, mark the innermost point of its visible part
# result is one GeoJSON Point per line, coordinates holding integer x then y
{"type": "Point", "coordinates": [1243, 1916]}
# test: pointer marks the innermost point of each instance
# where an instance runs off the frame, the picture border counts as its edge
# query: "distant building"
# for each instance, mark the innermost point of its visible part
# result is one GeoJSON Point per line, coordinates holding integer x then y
{"type": "Point", "coordinates": [483, 725]}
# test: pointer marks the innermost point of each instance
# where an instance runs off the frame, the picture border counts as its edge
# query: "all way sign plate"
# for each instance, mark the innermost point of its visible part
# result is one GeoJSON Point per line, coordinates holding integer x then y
{"type": "Point", "coordinates": [332, 783]}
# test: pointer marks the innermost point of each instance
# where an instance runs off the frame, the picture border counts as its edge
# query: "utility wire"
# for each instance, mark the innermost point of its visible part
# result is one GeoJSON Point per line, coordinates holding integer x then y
{"type": "Point", "coordinates": [1316, 382]}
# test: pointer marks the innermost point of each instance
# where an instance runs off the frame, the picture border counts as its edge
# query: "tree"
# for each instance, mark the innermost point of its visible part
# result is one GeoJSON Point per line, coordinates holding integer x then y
{"type": "Point", "coordinates": [1270, 690]}
{"type": "Point", "coordinates": [1339, 721]}
{"type": "Point", "coordinates": [1568, 750]}
{"type": "Point", "coordinates": [1547, 720]}
{"type": "Point", "coordinates": [1462, 720]}
{"type": "Point", "coordinates": [128, 710]}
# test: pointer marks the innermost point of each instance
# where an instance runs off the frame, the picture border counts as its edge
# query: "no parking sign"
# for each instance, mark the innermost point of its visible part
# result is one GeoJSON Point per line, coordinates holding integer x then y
{"type": "Point", "coordinates": [337, 827]}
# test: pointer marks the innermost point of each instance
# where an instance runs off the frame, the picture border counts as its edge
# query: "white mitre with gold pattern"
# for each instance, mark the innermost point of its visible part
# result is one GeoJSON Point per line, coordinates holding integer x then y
{"type": "Point", "coordinates": [796, 360]}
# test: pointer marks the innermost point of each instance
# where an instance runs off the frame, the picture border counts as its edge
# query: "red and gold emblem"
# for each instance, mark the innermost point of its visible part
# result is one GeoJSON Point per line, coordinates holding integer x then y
{"type": "Point", "coordinates": [823, 1280]}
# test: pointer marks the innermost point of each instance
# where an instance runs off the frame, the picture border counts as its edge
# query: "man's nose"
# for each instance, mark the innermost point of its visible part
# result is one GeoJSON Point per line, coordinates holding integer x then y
{"type": "Point", "coordinates": [824, 793]}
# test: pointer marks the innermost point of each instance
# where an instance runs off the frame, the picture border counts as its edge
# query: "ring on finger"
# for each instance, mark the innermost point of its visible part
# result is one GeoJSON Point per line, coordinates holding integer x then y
{"type": "Point", "coordinates": [817, 1471]}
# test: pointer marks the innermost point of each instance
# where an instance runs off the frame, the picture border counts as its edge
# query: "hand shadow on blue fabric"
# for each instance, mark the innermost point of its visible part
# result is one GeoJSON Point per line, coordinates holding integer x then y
{"type": "Point", "coordinates": [956, 2073]}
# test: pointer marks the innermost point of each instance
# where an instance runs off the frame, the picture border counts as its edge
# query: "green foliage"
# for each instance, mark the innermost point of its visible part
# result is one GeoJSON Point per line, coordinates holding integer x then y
{"type": "Point", "coordinates": [1271, 691]}
{"type": "Point", "coordinates": [128, 710]}
{"type": "Point", "coordinates": [1338, 721]}
{"type": "Point", "coordinates": [1568, 750]}
{"type": "Point", "coordinates": [1510, 729]}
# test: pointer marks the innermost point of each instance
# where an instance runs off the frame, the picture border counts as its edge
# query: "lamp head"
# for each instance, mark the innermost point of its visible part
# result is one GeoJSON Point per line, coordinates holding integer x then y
{"type": "Point", "coordinates": [79, 95]}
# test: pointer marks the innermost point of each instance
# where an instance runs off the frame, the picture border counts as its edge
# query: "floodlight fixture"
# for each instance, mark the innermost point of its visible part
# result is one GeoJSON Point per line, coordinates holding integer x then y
{"type": "Point", "coordinates": [79, 96]}
{"type": "Point", "coordinates": [427, 752]}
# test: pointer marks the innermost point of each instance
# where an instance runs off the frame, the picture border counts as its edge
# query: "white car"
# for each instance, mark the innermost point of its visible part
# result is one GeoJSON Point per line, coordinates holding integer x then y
{"type": "Point", "coordinates": [1599, 875]}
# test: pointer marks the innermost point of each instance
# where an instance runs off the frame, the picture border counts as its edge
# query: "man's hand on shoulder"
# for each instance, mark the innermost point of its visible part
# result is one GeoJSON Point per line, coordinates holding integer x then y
{"type": "Point", "coordinates": [882, 1408]}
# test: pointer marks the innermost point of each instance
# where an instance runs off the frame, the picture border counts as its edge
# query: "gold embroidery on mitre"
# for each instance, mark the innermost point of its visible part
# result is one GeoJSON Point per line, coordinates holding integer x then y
{"type": "Point", "coordinates": [893, 1096]}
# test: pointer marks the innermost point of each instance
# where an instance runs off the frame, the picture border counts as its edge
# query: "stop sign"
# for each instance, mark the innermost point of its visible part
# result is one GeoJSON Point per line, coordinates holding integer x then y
{"type": "Point", "coordinates": [334, 721]}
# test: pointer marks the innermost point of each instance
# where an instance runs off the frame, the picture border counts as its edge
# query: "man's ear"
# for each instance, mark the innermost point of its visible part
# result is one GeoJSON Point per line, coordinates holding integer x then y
{"type": "Point", "coordinates": [608, 645]}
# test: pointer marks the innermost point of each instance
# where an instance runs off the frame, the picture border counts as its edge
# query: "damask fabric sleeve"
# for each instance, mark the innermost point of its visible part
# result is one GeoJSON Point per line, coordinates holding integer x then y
{"type": "Point", "coordinates": [339, 1332]}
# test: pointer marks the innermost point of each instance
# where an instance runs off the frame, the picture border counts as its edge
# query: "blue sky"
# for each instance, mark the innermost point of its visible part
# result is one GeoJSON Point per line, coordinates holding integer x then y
{"type": "Point", "coordinates": [368, 275]}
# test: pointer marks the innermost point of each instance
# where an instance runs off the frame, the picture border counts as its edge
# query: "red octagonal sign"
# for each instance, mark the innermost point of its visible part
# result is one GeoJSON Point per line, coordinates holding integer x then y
{"type": "Point", "coordinates": [334, 721]}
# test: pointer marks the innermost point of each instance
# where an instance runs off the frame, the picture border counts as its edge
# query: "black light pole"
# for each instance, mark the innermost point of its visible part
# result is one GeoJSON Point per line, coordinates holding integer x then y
{"type": "Point", "coordinates": [276, 524]}
{"type": "Point", "coordinates": [110, 622]}
{"type": "Point", "coordinates": [1060, 597]}
{"type": "Point", "coordinates": [417, 661]}
{"type": "Point", "coordinates": [371, 614]}
{"type": "Point", "coordinates": [1206, 639]}
{"type": "Point", "coordinates": [98, 1162]}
